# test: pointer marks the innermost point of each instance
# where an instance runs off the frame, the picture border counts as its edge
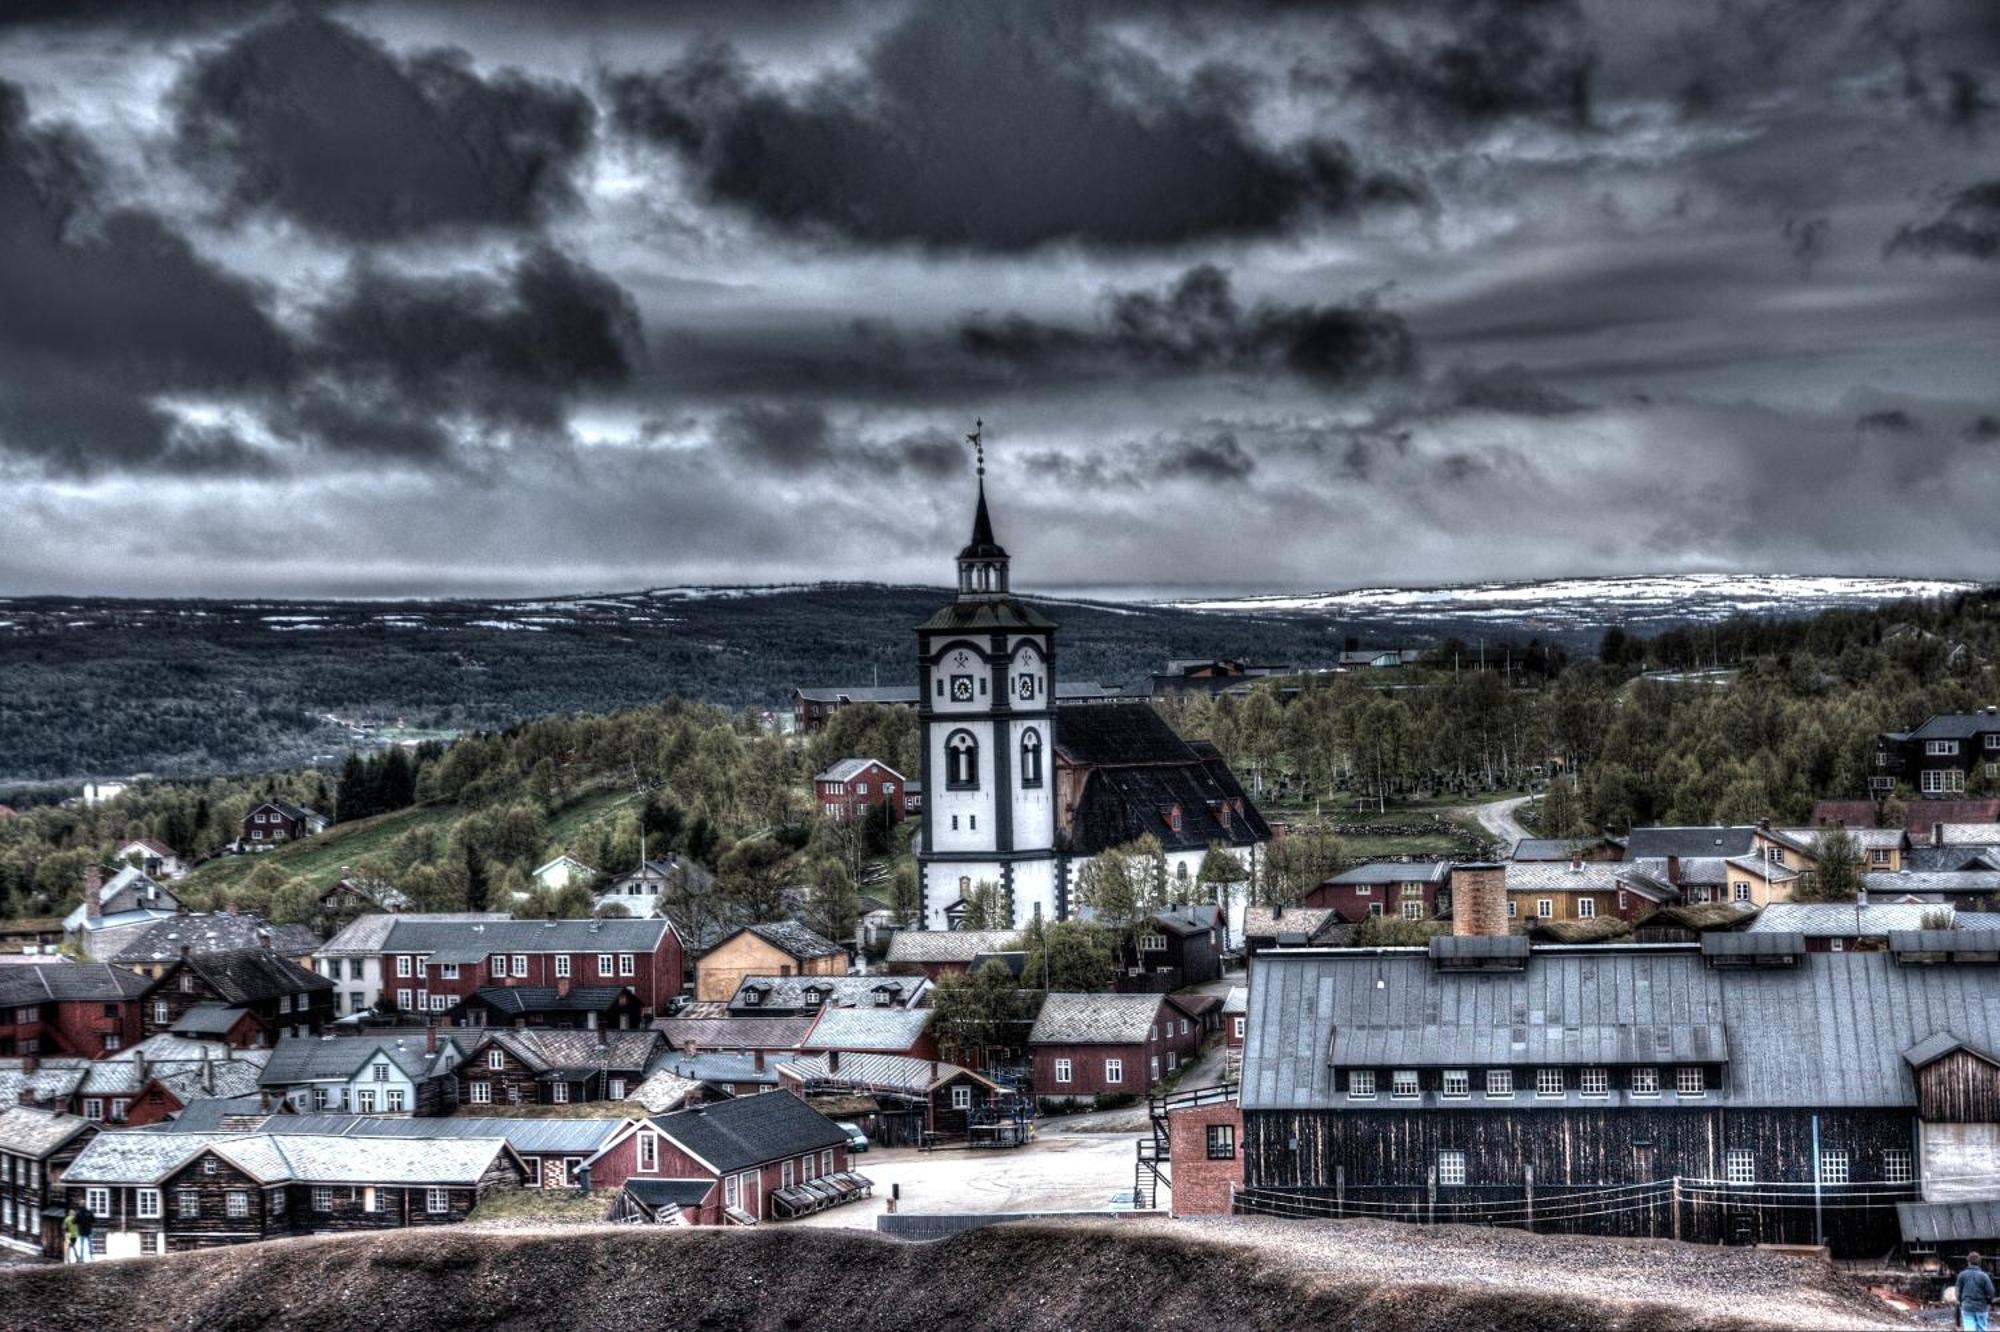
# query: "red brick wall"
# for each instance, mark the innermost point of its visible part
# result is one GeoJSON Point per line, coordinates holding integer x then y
{"type": "Point", "coordinates": [1201, 1186]}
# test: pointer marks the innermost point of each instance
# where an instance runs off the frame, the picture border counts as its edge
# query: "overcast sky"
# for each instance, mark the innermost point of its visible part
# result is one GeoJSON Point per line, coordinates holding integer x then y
{"type": "Point", "coordinates": [394, 299]}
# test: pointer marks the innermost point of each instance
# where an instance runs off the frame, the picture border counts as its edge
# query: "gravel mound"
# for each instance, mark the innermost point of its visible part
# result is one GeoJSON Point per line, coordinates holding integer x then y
{"type": "Point", "coordinates": [1247, 1275]}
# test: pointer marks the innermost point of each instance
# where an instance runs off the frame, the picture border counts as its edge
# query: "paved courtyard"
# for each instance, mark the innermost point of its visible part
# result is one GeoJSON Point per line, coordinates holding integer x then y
{"type": "Point", "coordinates": [1056, 1172]}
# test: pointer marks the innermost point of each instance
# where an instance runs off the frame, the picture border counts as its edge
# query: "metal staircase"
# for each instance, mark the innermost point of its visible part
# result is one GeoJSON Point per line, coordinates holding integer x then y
{"type": "Point", "coordinates": [1151, 1172]}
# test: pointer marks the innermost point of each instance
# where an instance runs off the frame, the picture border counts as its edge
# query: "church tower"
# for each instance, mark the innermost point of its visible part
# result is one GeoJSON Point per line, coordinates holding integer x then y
{"type": "Point", "coordinates": [986, 705]}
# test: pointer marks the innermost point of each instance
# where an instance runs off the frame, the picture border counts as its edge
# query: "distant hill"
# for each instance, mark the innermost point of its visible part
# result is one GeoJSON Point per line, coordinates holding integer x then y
{"type": "Point", "coordinates": [99, 687]}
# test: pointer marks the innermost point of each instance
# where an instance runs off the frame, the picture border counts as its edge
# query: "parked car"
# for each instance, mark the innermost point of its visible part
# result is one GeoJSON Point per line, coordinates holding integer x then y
{"type": "Point", "coordinates": [857, 1141]}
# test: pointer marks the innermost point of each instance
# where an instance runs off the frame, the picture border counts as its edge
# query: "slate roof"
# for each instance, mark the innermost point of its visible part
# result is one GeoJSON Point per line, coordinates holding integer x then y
{"type": "Point", "coordinates": [129, 890]}
{"type": "Point", "coordinates": [1851, 814]}
{"type": "Point", "coordinates": [1823, 920]}
{"type": "Point", "coordinates": [1238, 1000]}
{"type": "Point", "coordinates": [1096, 1019]}
{"type": "Point", "coordinates": [993, 613]}
{"type": "Point", "coordinates": [1394, 871]}
{"type": "Point", "coordinates": [1953, 726]}
{"type": "Point", "coordinates": [193, 1069]}
{"type": "Point", "coordinates": [1538, 876]}
{"type": "Point", "coordinates": [55, 1080]}
{"type": "Point", "coordinates": [547, 1050]}
{"type": "Point", "coordinates": [213, 934]}
{"type": "Point", "coordinates": [516, 1000]}
{"type": "Point", "coordinates": [249, 975]}
{"type": "Point", "coordinates": [663, 1090]}
{"type": "Point", "coordinates": [271, 1158]}
{"type": "Point", "coordinates": [736, 1033]}
{"type": "Point", "coordinates": [1687, 842]}
{"type": "Point", "coordinates": [365, 934]}
{"type": "Point", "coordinates": [750, 1130]}
{"type": "Point", "coordinates": [890, 1030]}
{"type": "Point", "coordinates": [1970, 834]}
{"type": "Point", "coordinates": [781, 992]}
{"type": "Point", "coordinates": [68, 982]}
{"type": "Point", "coordinates": [937, 946]}
{"type": "Point", "coordinates": [880, 1072]}
{"type": "Point", "coordinates": [1867, 839]}
{"type": "Point", "coordinates": [297, 1059]}
{"type": "Point", "coordinates": [473, 941]}
{"type": "Point", "coordinates": [1890, 884]}
{"type": "Point", "coordinates": [1829, 1032]}
{"type": "Point", "coordinates": [27, 1131]}
{"type": "Point", "coordinates": [208, 1020]}
{"type": "Point", "coordinates": [794, 939]}
{"type": "Point", "coordinates": [1260, 922]}
{"type": "Point", "coordinates": [1553, 848]}
{"type": "Point", "coordinates": [716, 1068]}
{"type": "Point", "coordinates": [1919, 815]}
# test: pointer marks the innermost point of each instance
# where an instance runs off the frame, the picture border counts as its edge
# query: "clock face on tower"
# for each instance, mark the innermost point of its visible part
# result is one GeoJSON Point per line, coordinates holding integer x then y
{"type": "Point", "coordinates": [1024, 686]}
{"type": "Point", "coordinates": [961, 688]}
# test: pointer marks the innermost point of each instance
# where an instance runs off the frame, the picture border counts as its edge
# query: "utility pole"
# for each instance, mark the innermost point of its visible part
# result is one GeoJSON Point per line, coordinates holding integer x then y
{"type": "Point", "coordinates": [1819, 1222]}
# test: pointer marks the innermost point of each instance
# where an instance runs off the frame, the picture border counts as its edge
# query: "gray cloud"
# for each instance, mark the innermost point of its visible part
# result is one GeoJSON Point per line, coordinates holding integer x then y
{"type": "Point", "coordinates": [1492, 60]}
{"type": "Point", "coordinates": [996, 129]}
{"type": "Point", "coordinates": [1968, 225]}
{"type": "Point", "coordinates": [312, 119]}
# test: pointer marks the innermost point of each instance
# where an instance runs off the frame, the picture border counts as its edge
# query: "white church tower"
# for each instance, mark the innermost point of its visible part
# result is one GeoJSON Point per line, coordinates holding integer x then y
{"type": "Point", "coordinates": [986, 704]}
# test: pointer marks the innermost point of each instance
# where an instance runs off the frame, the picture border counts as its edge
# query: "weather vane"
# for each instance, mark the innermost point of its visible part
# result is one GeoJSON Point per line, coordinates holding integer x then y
{"type": "Point", "coordinates": [978, 448]}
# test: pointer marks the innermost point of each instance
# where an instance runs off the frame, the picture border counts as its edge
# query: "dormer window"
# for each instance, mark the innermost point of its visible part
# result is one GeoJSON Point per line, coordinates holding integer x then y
{"type": "Point", "coordinates": [883, 998]}
{"type": "Point", "coordinates": [813, 998]}
{"type": "Point", "coordinates": [752, 998]}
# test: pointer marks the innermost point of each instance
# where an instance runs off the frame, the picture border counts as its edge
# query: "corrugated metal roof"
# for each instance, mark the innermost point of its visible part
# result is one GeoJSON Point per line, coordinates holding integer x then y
{"type": "Point", "coordinates": [1829, 1032]}
{"type": "Point", "coordinates": [1473, 1046]}
{"type": "Point", "coordinates": [1840, 919]}
{"type": "Point", "coordinates": [1931, 1223]}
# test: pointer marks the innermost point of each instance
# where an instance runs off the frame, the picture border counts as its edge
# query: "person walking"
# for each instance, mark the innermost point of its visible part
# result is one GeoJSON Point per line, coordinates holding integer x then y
{"type": "Point", "coordinates": [86, 1221]}
{"type": "Point", "coordinates": [1975, 1295]}
{"type": "Point", "coordinates": [69, 1234]}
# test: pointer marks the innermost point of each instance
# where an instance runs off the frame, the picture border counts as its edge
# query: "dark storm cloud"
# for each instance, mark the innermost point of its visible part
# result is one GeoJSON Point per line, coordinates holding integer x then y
{"type": "Point", "coordinates": [794, 438]}
{"type": "Point", "coordinates": [1983, 429]}
{"type": "Point", "coordinates": [102, 309]}
{"type": "Point", "coordinates": [314, 120]}
{"type": "Point", "coordinates": [1511, 388]}
{"type": "Point", "coordinates": [1494, 59]}
{"type": "Point", "coordinates": [1806, 239]}
{"type": "Point", "coordinates": [1893, 421]}
{"type": "Point", "coordinates": [1969, 225]}
{"type": "Point", "coordinates": [1198, 324]}
{"type": "Point", "coordinates": [1220, 459]}
{"type": "Point", "coordinates": [995, 128]}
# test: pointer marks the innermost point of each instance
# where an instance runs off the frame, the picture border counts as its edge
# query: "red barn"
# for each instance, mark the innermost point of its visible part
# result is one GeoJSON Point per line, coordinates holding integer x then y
{"type": "Point", "coordinates": [1087, 1045]}
{"type": "Point", "coordinates": [849, 788]}
{"type": "Point", "coordinates": [432, 966]}
{"type": "Point", "coordinates": [69, 1008]}
{"type": "Point", "coordinates": [760, 1157]}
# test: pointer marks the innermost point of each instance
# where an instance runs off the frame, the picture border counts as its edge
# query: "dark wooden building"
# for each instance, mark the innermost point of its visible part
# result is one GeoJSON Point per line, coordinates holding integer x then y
{"type": "Point", "coordinates": [1706, 1092]}
{"type": "Point", "coordinates": [543, 1066]}
{"type": "Point", "coordinates": [68, 1008]}
{"type": "Point", "coordinates": [277, 994]}
{"type": "Point", "coordinates": [582, 1007]}
{"type": "Point", "coordinates": [1172, 949]}
{"type": "Point", "coordinates": [36, 1146]}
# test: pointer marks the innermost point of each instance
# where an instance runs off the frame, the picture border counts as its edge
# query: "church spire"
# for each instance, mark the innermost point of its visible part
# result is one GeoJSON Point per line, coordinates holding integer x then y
{"type": "Point", "coordinates": [982, 565]}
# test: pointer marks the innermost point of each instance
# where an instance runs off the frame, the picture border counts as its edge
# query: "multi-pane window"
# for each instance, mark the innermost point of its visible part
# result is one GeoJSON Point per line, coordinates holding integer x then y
{"type": "Point", "coordinates": [496, 1059]}
{"type": "Point", "coordinates": [1690, 1080]}
{"type": "Point", "coordinates": [1833, 1167]}
{"type": "Point", "coordinates": [1586, 907]}
{"type": "Point", "coordinates": [1898, 1166]}
{"type": "Point", "coordinates": [1403, 1084]}
{"type": "Point", "coordinates": [1114, 1070]}
{"type": "Point", "coordinates": [1594, 1082]}
{"type": "Point", "coordinates": [497, 965]}
{"type": "Point", "coordinates": [649, 1152]}
{"type": "Point", "coordinates": [381, 1071]}
{"type": "Point", "coordinates": [1645, 1082]}
{"type": "Point", "coordinates": [1548, 1082]}
{"type": "Point", "coordinates": [559, 1092]}
{"type": "Point", "coordinates": [1361, 1084]}
{"type": "Point", "coordinates": [520, 965]}
{"type": "Point", "coordinates": [437, 1200]}
{"type": "Point", "coordinates": [1740, 1165]}
{"type": "Point", "coordinates": [402, 966]}
{"type": "Point", "coordinates": [1499, 1082]}
{"type": "Point", "coordinates": [624, 964]}
{"type": "Point", "coordinates": [1742, 890]}
{"type": "Point", "coordinates": [1545, 907]}
{"type": "Point", "coordinates": [1413, 911]}
{"type": "Point", "coordinates": [961, 1098]}
{"type": "Point", "coordinates": [236, 1204]}
{"type": "Point", "coordinates": [562, 966]}
{"type": "Point", "coordinates": [1062, 1070]}
{"type": "Point", "coordinates": [604, 964]}
{"type": "Point", "coordinates": [187, 1204]}
{"type": "Point", "coordinates": [392, 1100]}
{"type": "Point", "coordinates": [98, 1200]}
{"type": "Point", "coordinates": [322, 1198]}
{"type": "Point", "coordinates": [481, 1092]}
{"type": "Point", "coordinates": [1456, 1084]}
{"type": "Point", "coordinates": [1221, 1142]}
{"type": "Point", "coordinates": [148, 1205]}
{"type": "Point", "coordinates": [1451, 1167]}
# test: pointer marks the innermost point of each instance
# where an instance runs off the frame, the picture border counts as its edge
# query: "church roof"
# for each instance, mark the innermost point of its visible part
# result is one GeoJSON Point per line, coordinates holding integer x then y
{"type": "Point", "coordinates": [982, 546]}
{"type": "Point", "coordinates": [996, 613]}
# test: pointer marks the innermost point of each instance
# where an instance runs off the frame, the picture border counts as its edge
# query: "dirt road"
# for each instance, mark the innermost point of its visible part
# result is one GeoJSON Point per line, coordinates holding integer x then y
{"type": "Point", "coordinates": [1498, 819]}
{"type": "Point", "coordinates": [1063, 1172]}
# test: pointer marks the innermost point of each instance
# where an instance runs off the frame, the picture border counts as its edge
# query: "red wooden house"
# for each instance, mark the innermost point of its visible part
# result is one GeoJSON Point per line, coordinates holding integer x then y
{"type": "Point", "coordinates": [432, 966]}
{"type": "Point", "coordinates": [755, 1158]}
{"type": "Point", "coordinates": [1087, 1045]}
{"type": "Point", "coordinates": [1405, 890]}
{"type": "Point", "coordinates": [69, 1008]}
{"type": "Point", "coordinates": [853, 786]}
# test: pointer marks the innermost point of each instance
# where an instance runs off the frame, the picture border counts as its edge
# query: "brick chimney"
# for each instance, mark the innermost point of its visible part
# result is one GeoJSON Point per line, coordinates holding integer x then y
{"type": "Point", "coordinates": [757, 1060]}
{"type": "Point", "coordinates": [1479, 899]}
{"type": "Point", "coordinates": [1674, 870]}
{"type": "Point", "coordinates": [93, 885]}
{"type": "Point", "coordinates": [430, 1038]}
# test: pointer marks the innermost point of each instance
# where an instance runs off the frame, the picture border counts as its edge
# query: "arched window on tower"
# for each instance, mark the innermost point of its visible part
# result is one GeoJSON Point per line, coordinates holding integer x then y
{"type": "Point", "coordinates": [1031, 758]}
{"type": "Point", "coordinates": [961, 762]}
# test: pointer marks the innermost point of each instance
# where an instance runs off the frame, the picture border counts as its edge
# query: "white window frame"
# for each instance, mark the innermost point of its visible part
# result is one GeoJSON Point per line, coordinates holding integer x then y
{"type": "Point", "coordinates": [1114, 1070]}
{"type": "Point", "coordinates": [1062, 1070]}
{"type": "Point", "coordinates": [1899, 1164]}
{"type": "Point", "coordinates": [1740, 890]}
{"type": "Point", "coordinates": [961, 1097]}
{"type": "Point", "coordinates": [322, 1198]}
{"type": "Point", "coordinates": [1644, 1082]}
{"type": "Point", "coordinates": [496, 966]}
{"type": "Point", "coordinates": [1361, 1084]}
{"type": "Point", "coordinates": [1835, 1166]}
{"type": "Point", "coordinates": [405, 1000]}
{"type": "Point", "coordinates": [1549, 1084]}
{"type": "Point", "coordinates": [649, 1153]}
{"type": "Point", "coordinates": [1500, 1084]}
{"type": "Point", "coordinates": [479, 1093]}
{"type": "Point", "coordinates": [605, 963]}
{"type": "Point", "coordinates": [520, 966]}
{"type": "Point", "coordinates": [448, 970]}
{"type": "Point", "coordinates": [562, 966]}
{"type": "Point", "coordinates": [236, 1204]}
{"type": "Point", "coordinates": [1586, 908]}
{"type": "Point", "coordinates": [1545, 908]}
{"type": "Point", "coordinates": [1594, 1082]}
{"type": "Point", "coordinates": [1455, 1084]}
{"type": "Point", "coordinates": [98, 1199]}
{"type": "Point", "coordinates": [496, 1058]}
{"type": "Point", "coordinates": [1940, 748]}
{"type": "Point", "coordinates": [1739, 1166]}
{"type": "Point", "coordinates": [392, 1100]}
{"type": "Point", "coordinates": [437, 1201]}
{"type": "Point", "coordinates": [1450, 1168]}
{"type": "Point", "coordinates": [1405, 1084]}
{"type": "Point", "coordinates": [559, 1092]}
{"type": "Point", "coordinates": [1690, 1081]}
{"type": "Point", "coordinates": [187, 1204]}
{"type": "Point", "coordinates": [1513, 909]}
{"type": "Point", "coordinates": [1413, 911]}
{"type": "Point", "coordinates": [146, 1204]}
{"type": "Point", "coordinates": [626, 965]}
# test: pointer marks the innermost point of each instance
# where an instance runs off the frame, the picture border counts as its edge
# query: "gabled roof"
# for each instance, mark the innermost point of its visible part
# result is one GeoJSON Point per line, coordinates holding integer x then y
{"type": "Point", "coordinates": [208, 1020]}
{"type": "Point", "coordinates": [68, 982]}
{"type": "Point", "coordinates": [890, 1030]}
{"type": "Point", "coordinates": [1889, 883]}
{"type": "Point", "coordinates": [1096, 1019]}
{"type": "Point", "coordinates": [847, 769]}
{"type": "Point", "coordinates": [525, 1135]}
{"type": "Point", "coordinates": [365, 935]}
{"type": "Point", "coordinates": [1552, 848]}
{"type": "Point", "coordinates": [1953, 726]}
{"type": "Point", "coordinates": [750, 1130]}
{"type": "Point", "coordinates": [717, 1069]}
{"type": "Point", "coordinates": [1262, 922]}
{"type": "Point", "coordinates": [547, 1050]}
{"type": "Point", "coordinates": [1920, 815]}
{"type": "Point", "coordinates": [1718, 841]}
{"type": "Point", "coordinates": [1842, 920]}
{"type": "Point", "coordinates": [1542, 876]}
{"type": "Point", "coordinates": [1238, 1000]}
{"type": "Point", "coordinates": [879, 1072]}
{"type": "Point", "coordinates": [516, 1000]}
{"type": "Point", "coordinates": [297, 1059]}
{"type": "Point", "coordinates": [789, 992]}
{"type": "Point", "coordinates": [1939, 1044]}
{"type": "Point", "coordinates": [27, 1131]}
{"type": "Point", "coordinates": [474, 941]}
{"type": "Point", "coordinates": [1865, 839]}
{"type": "Point", "coordinates": [1394, 871]}
{"type": "Point", "coordinates": [793, 938]}
{"type": "Point", "coordinates": [950, 945]}
{"type": "Point", "coordinates": [1180, 804]}
{"type": "Point", "coordinates": [249, 975]}
{"type": "Point", "coordinates": [273, 1158]}
{"type": "Point", "coordinates": [1968, 834]}
{"type": "Point", "coordinates": [214, 933]}
{"type": "Point", "coordinates": [736, 1033]}
{"type": "Point", "coordinates": [1119, 734]}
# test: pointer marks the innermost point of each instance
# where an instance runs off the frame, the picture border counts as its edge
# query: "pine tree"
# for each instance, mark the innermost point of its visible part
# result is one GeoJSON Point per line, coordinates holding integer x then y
{"type": "Point", "coordinates": [475, 879]}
